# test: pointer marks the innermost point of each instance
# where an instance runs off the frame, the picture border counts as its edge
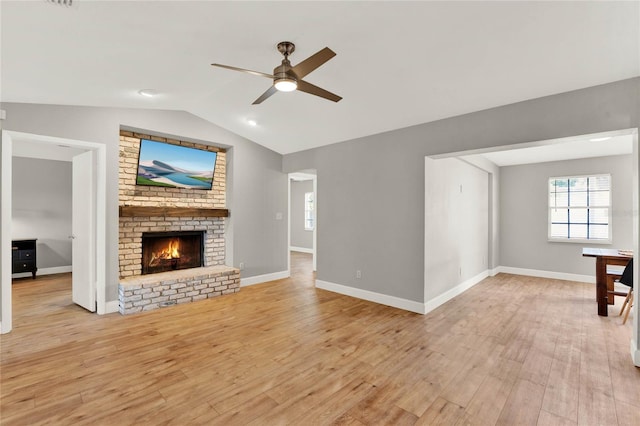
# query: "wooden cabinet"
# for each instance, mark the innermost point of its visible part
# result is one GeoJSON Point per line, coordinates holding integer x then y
{"type": "Point", "coordinates": [23, 254]}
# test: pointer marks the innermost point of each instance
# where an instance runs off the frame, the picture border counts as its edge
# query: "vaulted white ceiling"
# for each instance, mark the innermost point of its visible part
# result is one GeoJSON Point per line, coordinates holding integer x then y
{"type": "Point", "coordinates": [397, 64]}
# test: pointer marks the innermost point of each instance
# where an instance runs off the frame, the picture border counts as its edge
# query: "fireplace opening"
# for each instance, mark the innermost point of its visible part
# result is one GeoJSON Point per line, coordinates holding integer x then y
{"type": "Point", "coordinates": [168, 251]}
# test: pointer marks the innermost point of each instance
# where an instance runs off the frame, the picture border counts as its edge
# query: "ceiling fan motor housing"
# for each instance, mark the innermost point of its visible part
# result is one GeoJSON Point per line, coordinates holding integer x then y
{"type": "Point", "coordinates": [284, 72]}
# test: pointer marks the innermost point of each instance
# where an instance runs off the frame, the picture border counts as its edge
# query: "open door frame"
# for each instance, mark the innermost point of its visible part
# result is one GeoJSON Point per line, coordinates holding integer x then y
{"type": "Point", "coordinates": [6, 154]}
{"type": "Point", "coordinates": [5, 218]}
{"type": "Point", "coordinates": [313, 177]}
{"type": "Point", "coordinates": [633, 131]}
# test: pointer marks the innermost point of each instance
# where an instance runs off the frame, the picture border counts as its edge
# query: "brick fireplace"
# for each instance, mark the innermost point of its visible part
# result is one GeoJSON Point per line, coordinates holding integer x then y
{"type": "Point", "coordinates": [159, 212]}
{"type": "Point", "coordinates": [132, 229]}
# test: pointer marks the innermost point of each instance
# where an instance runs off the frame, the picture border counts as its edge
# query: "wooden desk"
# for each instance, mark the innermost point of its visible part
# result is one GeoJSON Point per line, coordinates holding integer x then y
{"type": "Point", "coordinates": [604, 257]}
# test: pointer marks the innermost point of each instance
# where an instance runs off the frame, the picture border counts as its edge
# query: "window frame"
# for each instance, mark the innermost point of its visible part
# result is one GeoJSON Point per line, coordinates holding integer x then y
{"type": "Point", "coordinates": [609, 208]}
{"type": "Point", "coordinates": [311, 211]}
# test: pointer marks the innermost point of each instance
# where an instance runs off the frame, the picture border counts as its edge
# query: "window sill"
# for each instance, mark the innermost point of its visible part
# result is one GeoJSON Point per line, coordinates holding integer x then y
{"type": "Point", "coordinates": [577, 241]}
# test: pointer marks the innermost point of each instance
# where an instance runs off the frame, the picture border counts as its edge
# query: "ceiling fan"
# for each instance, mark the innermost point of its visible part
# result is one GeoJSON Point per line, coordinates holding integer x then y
{"type": "Point", "coordinates": [287, 78]}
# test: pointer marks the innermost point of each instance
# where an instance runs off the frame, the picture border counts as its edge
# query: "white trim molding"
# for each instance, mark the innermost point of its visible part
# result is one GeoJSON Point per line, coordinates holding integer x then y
{"type": "Point", "coordinates": [259, 279]}
{"type": "Point", "coordinates": [635, 353]}
{"type": "Point", "coordinates": [455, 291]}
{"type": "Point", "coordinates": [44, 271]}
{"type": "Point", "coordinates": [383, 299]}
{"type": "Point", "coordinates": [6, 147]}
{"type": "Point", "coordinates": [547, 274]}
{"type": "Point", "coordinates": [301, 249]}
{"type": "Point", "coordinates": [404, 304]}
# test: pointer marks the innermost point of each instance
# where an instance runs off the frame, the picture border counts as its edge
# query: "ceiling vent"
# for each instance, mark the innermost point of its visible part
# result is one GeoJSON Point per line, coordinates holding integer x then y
{"type": "Point", "coordinates": [61, 2]}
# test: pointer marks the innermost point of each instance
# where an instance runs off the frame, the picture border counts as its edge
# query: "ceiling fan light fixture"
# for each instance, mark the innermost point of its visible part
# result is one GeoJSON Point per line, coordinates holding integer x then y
{"type": "Point", "coordinates": [286, 84]}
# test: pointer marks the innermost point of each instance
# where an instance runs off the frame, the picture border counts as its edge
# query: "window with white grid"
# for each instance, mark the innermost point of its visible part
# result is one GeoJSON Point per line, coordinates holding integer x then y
{"type": "Point", "coordinates": [580, 209]}
{"type": "Point", "coordinates": [309, 214]}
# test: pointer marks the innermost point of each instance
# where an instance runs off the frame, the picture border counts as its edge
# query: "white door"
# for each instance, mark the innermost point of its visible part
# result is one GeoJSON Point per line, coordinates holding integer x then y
{"type": "Point", "coordinates": [82, 224]}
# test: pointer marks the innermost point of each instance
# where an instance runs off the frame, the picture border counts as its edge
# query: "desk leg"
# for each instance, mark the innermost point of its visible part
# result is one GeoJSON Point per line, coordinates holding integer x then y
{"type": "Point", "coordinates": [601, 286]}
{"type": "Point", "coordinates": [611, 286]}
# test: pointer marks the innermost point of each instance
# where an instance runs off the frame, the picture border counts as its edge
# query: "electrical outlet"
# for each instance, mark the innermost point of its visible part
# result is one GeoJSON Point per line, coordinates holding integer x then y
{"type": "Point", "coordinates": [358, 274]}
{"type": "Point", "coordinates": [241, 266]}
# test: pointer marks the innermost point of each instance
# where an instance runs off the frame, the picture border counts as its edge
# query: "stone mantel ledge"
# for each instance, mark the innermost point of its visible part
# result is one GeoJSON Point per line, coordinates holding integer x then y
{"type": "Point", "coordinates": [147, 292]}
{"type": "Point", "coordinates": [179, 275]}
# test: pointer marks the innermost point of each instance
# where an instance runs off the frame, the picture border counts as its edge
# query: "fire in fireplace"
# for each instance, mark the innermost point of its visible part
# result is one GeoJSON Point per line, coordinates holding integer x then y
{"type": "Point", "coordinates": [167, 251]}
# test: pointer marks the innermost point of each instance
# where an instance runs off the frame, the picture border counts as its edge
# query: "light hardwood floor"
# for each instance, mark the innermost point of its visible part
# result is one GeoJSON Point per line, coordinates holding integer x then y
{"type": "Point", "coordinates": [511, 351]}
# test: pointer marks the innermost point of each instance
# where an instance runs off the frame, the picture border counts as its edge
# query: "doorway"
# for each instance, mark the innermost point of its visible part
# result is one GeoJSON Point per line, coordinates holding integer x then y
{"type": "Point", "coordinates": [302, 193]}
{"type": "Point", "coordinates": [89, 171]}
{"type": "Point", "coordinates": [41, 226]}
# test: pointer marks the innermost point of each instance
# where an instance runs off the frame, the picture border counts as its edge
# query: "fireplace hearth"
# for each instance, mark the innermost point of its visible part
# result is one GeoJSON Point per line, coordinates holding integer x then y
{"type": "Point", "coordinates": [168, 251]}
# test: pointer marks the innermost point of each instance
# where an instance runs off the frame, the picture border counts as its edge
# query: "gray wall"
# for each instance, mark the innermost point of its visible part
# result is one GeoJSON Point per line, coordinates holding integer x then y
{"type": "Point", "coordinates": [456, 224]}
{"type": "Point", "coordinates": [257, 188]}
{"type": "Point", "coordinates": [372, 188]}
{"type": "Point", "coordinates": [41, 208]}
{"type": "Point", "coordinates": [523, 225]}
{"type": "Point", "coordinates": [299, 236]}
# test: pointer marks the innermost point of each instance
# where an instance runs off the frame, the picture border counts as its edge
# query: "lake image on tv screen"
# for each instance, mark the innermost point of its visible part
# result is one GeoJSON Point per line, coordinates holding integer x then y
{"type": "Point", "coordinates": [162, 164]}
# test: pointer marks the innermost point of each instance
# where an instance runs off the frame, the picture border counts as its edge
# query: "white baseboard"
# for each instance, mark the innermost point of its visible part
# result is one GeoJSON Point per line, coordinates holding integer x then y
{"type": "Point", "coordinates": [547, 274]}
{"type": "Point", "coordinates": [258, 279]}
{"type": "Point", "coordinates": [455, 291]}
{"type": "Point", "coordinates": [112, 306]}
{"type": "Point", "coordinates": [635, 353]}
{"type": "Point", "coordinates": [301, 249]}
{"type": "Point", "coordinates": [55, 270]}
{"type": "Point", "coordinates": [383, 299]}
{"type": "Point", "coordinates": [44, 271]}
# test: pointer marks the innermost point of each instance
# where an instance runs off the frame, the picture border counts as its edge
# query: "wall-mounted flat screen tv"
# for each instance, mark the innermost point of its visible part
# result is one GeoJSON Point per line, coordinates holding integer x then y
{"type": "Point", "coordinates": [175, 166]}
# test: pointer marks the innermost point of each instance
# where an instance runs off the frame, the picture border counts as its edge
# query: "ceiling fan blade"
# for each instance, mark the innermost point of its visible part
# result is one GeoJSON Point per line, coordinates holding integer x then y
{"type": "Point", "coordinates": [270, 91]}
{"type": "Point", "coordinates": [313, 62]}
{"type": "Point", "coordinates": [303, 86]}
{"type": "Point", "coordinates": [258, 73]}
